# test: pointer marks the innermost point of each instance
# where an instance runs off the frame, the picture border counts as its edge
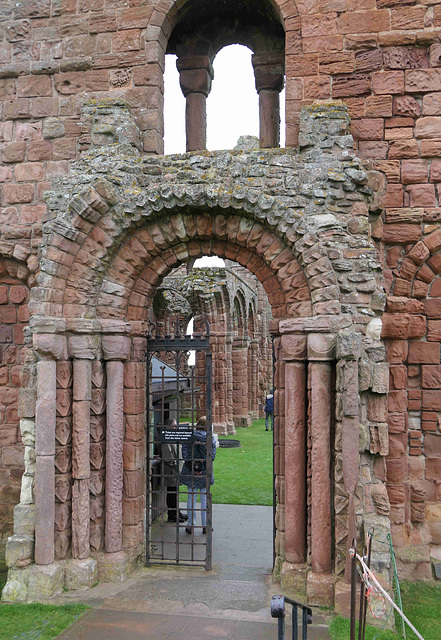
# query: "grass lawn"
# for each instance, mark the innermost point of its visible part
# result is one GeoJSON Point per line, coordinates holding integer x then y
{"type": "Point", "coordinates": [421, 604]}
{"type": "Point", "coordinates": [31, 621]}
{"type": "Point", "coordinates": [42, 621]}
{"type": "Point", "coordinates": [244, 475]}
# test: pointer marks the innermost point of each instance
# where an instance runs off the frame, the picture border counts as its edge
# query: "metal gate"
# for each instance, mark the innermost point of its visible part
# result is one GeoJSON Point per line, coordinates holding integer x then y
{"type": "Point", "coordinates": [179, 448]}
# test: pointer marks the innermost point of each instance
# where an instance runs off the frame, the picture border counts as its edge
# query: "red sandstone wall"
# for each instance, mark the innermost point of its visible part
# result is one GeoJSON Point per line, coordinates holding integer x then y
{"type": "Point", "coordinates": [382, 57]}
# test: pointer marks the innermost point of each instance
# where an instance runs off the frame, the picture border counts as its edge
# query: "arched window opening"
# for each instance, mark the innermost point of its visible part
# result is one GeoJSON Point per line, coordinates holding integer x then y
{"type": "Point", "coordinates": [200, 39]}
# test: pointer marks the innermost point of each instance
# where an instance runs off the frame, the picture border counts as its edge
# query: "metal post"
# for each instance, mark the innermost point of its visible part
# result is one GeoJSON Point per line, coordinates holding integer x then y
{"type": "Point", "coordinates": [353, 589]}
{"type": "Point", "coordinates": [295, 622]}
{"type": "Point", "coordinates": [278, 611]}
{"type": "Point", "coordinates": [370, 538]}
{"type": "Point", "coordinates": [209, 466]}
{"type": "Point", "coordinates": [304, 623]}
{"type": "Point", "coordinates": [148, 479]}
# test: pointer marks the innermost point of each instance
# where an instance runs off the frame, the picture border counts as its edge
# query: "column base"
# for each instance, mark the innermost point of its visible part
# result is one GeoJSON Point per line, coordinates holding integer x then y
{"type": "Point", "coordinates": [221, 428]}
{"type": "Point", "coordinates": [80, 574]}
{"type": "Point", "coordinates": [231, 429]}
{"type": "Point", "coordinates": [293, 578]}
{"type": "Point", "coordinates": [343, 598]}
{"type": "Point", "coordinates": [114, 567]}
{"type": "Point", "coordinates": [320, 589]}
{"type": "Point", "coordinates": [242, 421]}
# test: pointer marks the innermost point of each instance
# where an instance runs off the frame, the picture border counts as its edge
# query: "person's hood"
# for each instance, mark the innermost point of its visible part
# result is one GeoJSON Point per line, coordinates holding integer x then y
{"type": "Point", "coordinates": [200, 436]}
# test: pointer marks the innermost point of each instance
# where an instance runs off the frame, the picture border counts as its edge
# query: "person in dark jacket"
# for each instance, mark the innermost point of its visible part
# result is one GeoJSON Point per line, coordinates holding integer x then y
{"type": "Point", "coordinates": [194, 473]}
{"type": "Point", "coordinates": [269, 410]}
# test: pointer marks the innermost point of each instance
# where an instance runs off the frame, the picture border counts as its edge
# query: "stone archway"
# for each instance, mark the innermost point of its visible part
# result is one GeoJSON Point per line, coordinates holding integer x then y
{"type": "Point", "coordinates": [288, 218]}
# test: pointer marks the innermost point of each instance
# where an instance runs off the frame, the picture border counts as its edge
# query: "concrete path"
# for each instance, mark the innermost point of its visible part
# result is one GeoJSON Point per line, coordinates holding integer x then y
{"type": "Point", "coordinates": [161, 603]}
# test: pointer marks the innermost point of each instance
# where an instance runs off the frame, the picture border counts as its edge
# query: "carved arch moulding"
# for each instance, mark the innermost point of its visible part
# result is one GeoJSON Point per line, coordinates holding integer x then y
{"type": "Point", "coordinates": [118, 224]}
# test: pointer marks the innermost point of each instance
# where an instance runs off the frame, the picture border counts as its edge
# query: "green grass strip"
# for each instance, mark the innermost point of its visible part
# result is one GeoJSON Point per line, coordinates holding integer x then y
{"type": "Point", "coordinates": [37, 621]}
{"type": "Point", "coordinates": [244, 475]}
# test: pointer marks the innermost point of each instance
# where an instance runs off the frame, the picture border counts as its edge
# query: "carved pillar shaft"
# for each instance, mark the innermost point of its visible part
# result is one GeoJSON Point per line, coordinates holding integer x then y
{"type": "Point", "coordinates": [82, 395]}
{"type": "Point", "coordinates": [114, 454]}
{"type": "Point", "coordinates": [295, 461]}
{"type": "Point", "coordinates": [45, 422]}
{"type": "Point", "coordinates": [116, 348]}
{"type": "Point", "coordinates": [253, 400]}
{"type": "Point", "coordinates": [321, 404]}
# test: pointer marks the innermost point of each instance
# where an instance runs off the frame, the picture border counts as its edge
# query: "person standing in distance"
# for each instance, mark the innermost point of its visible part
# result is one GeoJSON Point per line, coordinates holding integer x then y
{"type": "Point", "coordinates": [269, 410]}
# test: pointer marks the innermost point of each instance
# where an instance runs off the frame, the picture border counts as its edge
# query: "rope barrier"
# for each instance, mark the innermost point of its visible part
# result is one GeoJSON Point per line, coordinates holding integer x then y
{"type": "Point", "coordinates": [386, 595]}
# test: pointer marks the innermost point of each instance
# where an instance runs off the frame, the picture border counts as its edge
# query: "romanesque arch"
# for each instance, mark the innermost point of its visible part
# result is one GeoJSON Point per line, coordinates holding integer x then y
{"type": "Point", "coordinates": [120, 231]}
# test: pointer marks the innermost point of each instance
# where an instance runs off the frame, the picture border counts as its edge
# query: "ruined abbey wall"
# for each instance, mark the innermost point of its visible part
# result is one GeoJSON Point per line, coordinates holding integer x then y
{"type": "Point", "coordinates": [382, 59]}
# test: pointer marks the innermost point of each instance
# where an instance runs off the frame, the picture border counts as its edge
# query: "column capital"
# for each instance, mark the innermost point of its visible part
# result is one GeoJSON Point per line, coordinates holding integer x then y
{"type": "Point", "coordinates": [50, 346]}
{"type": "Point", "coordinates": [84, 346]}
{"type": "Point", "coordinates": [294, 347]}
{"type": "Point", "coordinates": [269, 70]}
{"type": "Point", "coordinates": [240, 343]}
{"type": "Point", "coordinates": [195, 74]}
{"type": "Point", "coordinates": [115, 347]}
{"type": "Point", "coordinates": [321, 346]}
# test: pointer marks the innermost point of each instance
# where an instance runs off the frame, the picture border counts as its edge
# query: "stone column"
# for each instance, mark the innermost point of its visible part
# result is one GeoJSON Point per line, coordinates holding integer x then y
{"type": "Point", "coordinates": [218, 350]}
{"type": "Point", "coordinates": [269, 75]}
{"type": "Point", "coordinates": [294, 354]}
{"type": "Point", "coordinates": [321, 350]}
{"type": "Point", "coordinates": [83, 350]}
{"type": "Point", "coordinates": [253, 401]}
{"type": "Point", "coordinates": [116, 349]}
{"type": "Point", "coordinates": [229, 384]}
{"type": "Point", "coordinates": [50, 347]}
{"type": "Point", "coordinates": [195, 75]}
{"type": "Point", "coordinates": [240, 382]}
{"type": "Point", "coordinates": [349, 349]}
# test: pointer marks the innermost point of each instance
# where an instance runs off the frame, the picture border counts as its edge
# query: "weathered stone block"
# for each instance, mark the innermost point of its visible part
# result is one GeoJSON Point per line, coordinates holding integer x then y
{"type": "Point", "coordinates": [45, 581]}
{"type": "Point", "coordinates": [320, 589]}
{"type": "Point", "coordinates": [80, 574]}
{"type": "Point", "coordinates": [16, 588]}
{"type": "Point", "coordinates": [114, 567]}
{"type": "Point", "coordinates": [19, 551]}
{"type": "Point", "coordinates": [24, 519]}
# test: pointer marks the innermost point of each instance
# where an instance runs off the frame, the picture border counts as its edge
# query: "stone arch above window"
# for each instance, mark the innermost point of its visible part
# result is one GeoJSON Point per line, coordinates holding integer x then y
{"type": "Point", "coordinates": [198, 31]}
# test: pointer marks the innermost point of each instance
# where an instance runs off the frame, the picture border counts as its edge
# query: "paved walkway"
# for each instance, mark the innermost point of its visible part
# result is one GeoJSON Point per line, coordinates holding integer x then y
{"type": "Point", "coordinates": [164, 603]}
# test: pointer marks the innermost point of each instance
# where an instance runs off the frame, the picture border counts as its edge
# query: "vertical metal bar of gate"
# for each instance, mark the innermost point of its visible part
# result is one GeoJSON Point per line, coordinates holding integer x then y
{"type": "Point", "coordinates": [208, 374]}
{"type": "Point", "coordinates": [274, 451]}
{"type": "Point", "coordinates": [166, 393]}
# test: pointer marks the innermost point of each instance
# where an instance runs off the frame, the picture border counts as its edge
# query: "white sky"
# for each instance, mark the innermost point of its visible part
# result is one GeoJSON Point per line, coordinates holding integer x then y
{"type": "Point", "coordinates": [232, 106]}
